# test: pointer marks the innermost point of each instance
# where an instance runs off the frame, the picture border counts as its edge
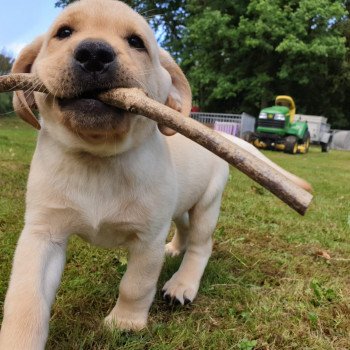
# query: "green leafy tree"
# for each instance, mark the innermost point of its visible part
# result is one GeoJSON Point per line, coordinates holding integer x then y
{"type": "Point", "coordinates": [263, 48]}
{"type": "Point", "coordinates": [6, 98]}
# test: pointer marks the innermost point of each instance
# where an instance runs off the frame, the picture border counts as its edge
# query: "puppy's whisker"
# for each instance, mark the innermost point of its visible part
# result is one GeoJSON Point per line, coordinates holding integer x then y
{"type": "Point", "coordinates": [53, 99]}
{"type": "Point", "coordinates": [54, 96]}
{"type": "Point", "coordinates": [32, 89]}
{"type": "Point", "coordinates": [46, 96]}
{"type": "Point", "coordinates": [151, 18]}
{"type": "Point", "coordinates": [145, 88]}
{"type": "Point", "coordinates": [24, 89]}
{"type": "Point", "coordinates": [144, 74]}
{"type": "Point", "coordinates": [55, 70]}
{"type": "Point", "coordinates": [76, 133]}
{"type": "Point", "coordinates": [148, 12]}
{"type": "Point", "coordinates": [8, 113]}
{"type": "Point", "coordinates": [151, 70]}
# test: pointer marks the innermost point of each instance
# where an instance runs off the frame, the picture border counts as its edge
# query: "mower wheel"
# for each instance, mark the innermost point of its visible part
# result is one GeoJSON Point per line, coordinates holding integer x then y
{"type": "Point", "coordinates": [248, 136]}
{"type": "Point", "coordinates": [307, 141]}
{"type": "Point", "coordinates": [291, 145]}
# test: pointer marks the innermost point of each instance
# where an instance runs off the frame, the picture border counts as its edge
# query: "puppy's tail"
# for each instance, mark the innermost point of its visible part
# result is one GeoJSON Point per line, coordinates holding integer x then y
{"type": "Point", "coordinates": [252, 150]}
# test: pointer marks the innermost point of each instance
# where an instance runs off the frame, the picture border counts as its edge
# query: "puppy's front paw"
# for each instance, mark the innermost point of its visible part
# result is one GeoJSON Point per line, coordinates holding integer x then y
{"type": "Point", "coordinates": [177, 291]}
{"type": "Point", "coordinates": [172, 250]}
{"type": "Point", "coordinates": [126, 323]}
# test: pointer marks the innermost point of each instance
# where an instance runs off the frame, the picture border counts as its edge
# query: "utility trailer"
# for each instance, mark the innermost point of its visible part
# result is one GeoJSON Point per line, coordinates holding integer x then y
{"type": "Point", "coordinates": [320, 130]}
{"type": "Point", "coordinates": [233, 124]}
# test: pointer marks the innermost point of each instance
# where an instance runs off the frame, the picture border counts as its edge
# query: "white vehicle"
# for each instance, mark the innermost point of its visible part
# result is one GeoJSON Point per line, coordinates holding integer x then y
{"type": "Point", "coordinates": [320, 130]}
{"type": "Point", "coordinates": [341, 140]}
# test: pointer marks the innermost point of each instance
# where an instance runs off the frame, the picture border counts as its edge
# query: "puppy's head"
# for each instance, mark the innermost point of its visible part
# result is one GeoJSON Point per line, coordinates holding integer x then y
{"type": "Point", "coordinates": [95, 45]}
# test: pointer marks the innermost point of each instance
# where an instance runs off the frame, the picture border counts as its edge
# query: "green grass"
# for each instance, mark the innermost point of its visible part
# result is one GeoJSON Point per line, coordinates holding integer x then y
{"type": "Point", "coordinates": [264, 288]}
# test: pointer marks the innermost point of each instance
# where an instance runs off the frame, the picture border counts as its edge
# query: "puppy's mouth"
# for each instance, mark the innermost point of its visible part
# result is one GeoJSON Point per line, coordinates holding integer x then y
{"type": "Point", "coordinates": [87, 115]}
{"type": "Point", "coordinates": [87, 103]}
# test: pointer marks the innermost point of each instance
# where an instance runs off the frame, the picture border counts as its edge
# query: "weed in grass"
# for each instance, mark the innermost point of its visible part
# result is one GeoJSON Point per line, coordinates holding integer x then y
{"type": "Point", "coordinates": [313, 317]}
{"type": "Point", "coordinates": [247, 344]}
{"type": "Point", "coordinates": [322, 294]}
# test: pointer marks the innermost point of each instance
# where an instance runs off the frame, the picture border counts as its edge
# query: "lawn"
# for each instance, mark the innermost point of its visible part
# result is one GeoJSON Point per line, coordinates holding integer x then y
{"type": "Point", "coordinates": [267, 285]}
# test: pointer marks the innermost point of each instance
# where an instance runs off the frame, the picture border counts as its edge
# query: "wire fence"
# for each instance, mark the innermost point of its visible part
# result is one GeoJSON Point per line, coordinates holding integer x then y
{"type": "Point", "coordinates": [233, 124]}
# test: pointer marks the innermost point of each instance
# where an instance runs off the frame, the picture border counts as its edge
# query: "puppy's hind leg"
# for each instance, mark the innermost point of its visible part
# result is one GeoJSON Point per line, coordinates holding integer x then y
{"type": "Point", "coordinates": [184, 284]}
{"type": "Point", "coordinates": [179, 242]}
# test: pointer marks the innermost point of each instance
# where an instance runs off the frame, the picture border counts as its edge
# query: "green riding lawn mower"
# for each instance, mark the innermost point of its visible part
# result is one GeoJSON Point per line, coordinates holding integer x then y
{"type": "Point", "coordinates": [277, 129]}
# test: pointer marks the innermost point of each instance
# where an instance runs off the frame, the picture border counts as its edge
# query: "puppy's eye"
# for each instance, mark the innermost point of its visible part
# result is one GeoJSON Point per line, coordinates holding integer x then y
{"type": "Point", "coordinates": [136, 42]}
{"type": "Point", "coordinates": [64, 32]}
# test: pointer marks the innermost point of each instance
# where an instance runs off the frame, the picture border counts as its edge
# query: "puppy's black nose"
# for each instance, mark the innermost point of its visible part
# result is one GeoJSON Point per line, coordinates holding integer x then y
{"type": "Point", "coordinates": [94, 56]}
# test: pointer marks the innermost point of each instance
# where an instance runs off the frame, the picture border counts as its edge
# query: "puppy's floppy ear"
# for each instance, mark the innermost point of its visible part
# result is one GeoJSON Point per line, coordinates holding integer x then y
{"type": "Point", "coordinates": [23, 101]}
{"type": "Point", "coordinates": [180, 95]}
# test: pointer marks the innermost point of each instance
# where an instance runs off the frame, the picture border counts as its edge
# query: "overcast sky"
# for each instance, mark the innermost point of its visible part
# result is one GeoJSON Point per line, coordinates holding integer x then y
{"type": "Point", "coordinates": [21, 21]}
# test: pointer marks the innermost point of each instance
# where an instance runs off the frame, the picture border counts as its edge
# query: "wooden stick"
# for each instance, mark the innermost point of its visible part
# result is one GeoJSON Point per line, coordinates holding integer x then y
{"type": "Point", "coordinates": [135, 101]}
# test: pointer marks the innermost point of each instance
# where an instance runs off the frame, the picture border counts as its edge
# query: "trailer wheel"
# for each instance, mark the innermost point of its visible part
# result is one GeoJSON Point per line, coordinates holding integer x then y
{"type": "Point", "coordinates": [248, 136]}
{"type": "Point", "coordinates": [325, 147]}
{"type": "Point", "coordinates": [291, 145]}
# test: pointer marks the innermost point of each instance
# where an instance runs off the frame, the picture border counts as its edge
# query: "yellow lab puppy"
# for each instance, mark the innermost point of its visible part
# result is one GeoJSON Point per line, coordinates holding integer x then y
{"type": "Point", "coordinates": [109, 175]}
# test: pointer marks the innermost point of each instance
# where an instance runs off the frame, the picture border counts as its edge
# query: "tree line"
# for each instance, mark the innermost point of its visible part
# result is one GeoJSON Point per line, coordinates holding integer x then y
{"type": "Point", "coordinates": [6, 62]}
